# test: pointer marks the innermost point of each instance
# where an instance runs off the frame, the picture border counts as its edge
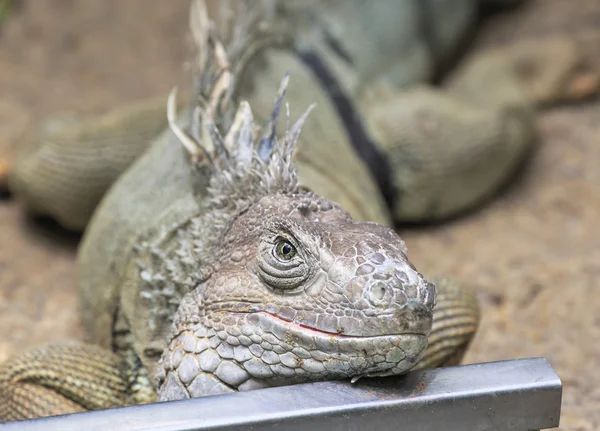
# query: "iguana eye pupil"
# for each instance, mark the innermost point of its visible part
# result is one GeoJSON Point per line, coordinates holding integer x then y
{"type": "Point", "coordinates": [285, 250]}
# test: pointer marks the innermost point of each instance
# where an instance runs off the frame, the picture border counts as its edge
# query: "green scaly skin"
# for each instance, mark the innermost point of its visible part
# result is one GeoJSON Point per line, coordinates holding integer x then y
{"type": "Point", "coordinates": [179, 280]}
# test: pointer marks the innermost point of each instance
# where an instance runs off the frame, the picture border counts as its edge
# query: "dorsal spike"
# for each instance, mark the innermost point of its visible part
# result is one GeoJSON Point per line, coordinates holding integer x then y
{"type": "Point", "coordinates": [195, 150]}
{"type": "Point", "coordinates": [220, 150]}
{"type": "Point", "coordinates": [267, 142]}
{"type": "Point", "coordinates": [244, 161]}
{"type": "Point", "coordinates": [187, 141]}
{"type": "Point", "coordinates": [236, 125]}
{"type": "Point", "coordinates": [246, 135]}
{"type": "Point", "coordinates": [293, 133]}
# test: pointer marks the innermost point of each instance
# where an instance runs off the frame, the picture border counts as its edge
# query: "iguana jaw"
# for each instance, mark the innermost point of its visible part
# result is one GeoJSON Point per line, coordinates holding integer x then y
{"type": "Point", "coordinates": [247, 351]}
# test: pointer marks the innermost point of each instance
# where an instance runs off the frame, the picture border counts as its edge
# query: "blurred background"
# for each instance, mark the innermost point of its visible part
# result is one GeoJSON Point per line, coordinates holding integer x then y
{"type": "Point", "coordinates": [533, 253]}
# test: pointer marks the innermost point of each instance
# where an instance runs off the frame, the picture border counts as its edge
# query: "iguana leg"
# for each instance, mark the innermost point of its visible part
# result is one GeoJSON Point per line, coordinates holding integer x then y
{"type": "Point", "coordinates": [450, 150]}
{"type": "Point", "coordinates": [64, 168]}
{"type": "Point", "coordinates": [455, 322]}
{"type": "Point", "coordinates": [61, 379]}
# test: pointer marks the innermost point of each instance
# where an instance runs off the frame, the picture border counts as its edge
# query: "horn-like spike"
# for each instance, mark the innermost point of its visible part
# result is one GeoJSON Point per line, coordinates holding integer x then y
{"type": "Point", "coordinates": [246, 135]}
{"type": "Point", "coordinates": [236, 124]}
{"type": "Point", "coordinates": [292, 134]}
{"type": "Point", "coordinates": [192, 146]}
{"type": "Point", "coordinates": [196, 125]}
{"type": "Point", "coordinates": [189, 144]}
{"type": "Point", "coordinates": [246, 161]}
{"type": "Point", "coordinates": [267, 142]}
{"type": "Point", "coordinates": [224, 81]}
{"type": "Point", "coordinates": [287, 117]}
{"type": "Point", "coordinates": [217, 140]}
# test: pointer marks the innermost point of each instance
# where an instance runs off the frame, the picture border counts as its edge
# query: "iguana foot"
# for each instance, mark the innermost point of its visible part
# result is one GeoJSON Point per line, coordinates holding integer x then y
{"type": "Point", "coordinates": [61, 379]}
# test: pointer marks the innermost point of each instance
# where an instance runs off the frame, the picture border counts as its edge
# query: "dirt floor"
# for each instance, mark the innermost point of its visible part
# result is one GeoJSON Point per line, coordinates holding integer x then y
{"type": "Point", "coordinates": [532, 253]}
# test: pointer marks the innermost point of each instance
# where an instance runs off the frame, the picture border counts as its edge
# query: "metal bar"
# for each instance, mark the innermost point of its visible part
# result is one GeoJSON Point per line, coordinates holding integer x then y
{"type": "Point", "coordinates": [522, 394]}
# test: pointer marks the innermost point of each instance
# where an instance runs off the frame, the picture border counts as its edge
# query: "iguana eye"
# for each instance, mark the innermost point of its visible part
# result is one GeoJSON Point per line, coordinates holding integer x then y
{"type": "Point", "coordinates": [284, 250]}
{"type": "Point", "coordinates": [284, 262]}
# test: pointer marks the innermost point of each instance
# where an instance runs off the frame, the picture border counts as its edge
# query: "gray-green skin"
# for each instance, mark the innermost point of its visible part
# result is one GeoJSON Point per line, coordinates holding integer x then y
{"type": "Point", "coordinates": [177, 261]}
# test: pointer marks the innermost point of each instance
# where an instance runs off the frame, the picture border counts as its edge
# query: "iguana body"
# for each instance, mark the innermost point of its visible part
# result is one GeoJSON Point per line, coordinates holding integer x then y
{"type": "Point", "coordinates": [165, 247]}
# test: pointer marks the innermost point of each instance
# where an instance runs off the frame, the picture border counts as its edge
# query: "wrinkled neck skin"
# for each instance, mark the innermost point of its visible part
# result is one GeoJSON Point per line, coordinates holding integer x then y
{"type": "Point", "coordinates": [345, 304]}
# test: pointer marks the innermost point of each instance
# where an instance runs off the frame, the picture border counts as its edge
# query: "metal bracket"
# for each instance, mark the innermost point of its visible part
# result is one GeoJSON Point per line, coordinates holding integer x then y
{"type": "Point", "coordinates": [522, 394]}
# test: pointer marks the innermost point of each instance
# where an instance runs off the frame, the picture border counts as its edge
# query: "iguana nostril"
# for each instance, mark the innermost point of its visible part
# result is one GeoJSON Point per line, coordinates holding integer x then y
{"type": "Point", "coordinates": [379, 294]}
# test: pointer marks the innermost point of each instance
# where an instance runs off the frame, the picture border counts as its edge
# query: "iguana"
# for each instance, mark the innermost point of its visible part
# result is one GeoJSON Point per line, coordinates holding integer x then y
{"type": "Point", "coordinates": [234, 262]}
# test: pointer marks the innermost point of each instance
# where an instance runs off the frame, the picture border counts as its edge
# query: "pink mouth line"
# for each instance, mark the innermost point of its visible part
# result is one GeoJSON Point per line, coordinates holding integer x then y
{"type": "Point", "coordinates": [291, 323]}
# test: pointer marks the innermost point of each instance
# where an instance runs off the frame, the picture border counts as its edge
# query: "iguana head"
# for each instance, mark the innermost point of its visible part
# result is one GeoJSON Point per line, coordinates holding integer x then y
{"type": "Point", "coordinates": [287, 288]}
{"type": "Point", "coordinates": [300, 292]}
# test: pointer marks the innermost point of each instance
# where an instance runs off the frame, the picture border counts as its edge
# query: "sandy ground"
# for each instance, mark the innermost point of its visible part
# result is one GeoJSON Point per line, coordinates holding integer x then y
{"type": "Point", "coordinates": [532, 253]}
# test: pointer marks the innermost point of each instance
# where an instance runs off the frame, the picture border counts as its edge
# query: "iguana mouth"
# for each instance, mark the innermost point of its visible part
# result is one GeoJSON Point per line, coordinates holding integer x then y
{"type": "Point", "coordinates": [301, 327]}
{"type": "Point", "coordinates": [408, 345]}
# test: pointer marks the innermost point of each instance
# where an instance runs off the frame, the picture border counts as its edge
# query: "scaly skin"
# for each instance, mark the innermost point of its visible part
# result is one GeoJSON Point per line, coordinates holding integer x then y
{"type": "Point", "coordinates": [164, 250]}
